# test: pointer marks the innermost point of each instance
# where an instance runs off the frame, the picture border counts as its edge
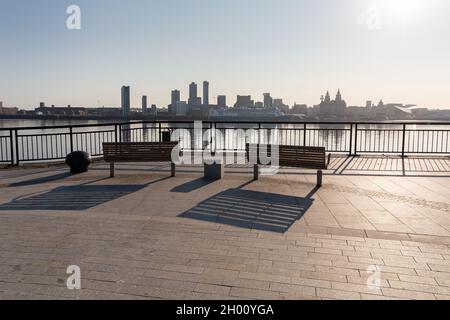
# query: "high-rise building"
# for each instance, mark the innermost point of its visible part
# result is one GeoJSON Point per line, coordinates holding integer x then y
{"type": "Point", "coordinates": [125, 101]}
{"type": "Point", "coordinates": [244, 102]}
{"type": "Point", "coordinates": [222, 101]}
{"type": "Point", "coordinates": [176, 97]}
{"type": "Point", "coordinates": [206, 93]}
{"type": "Point", "coordinates": [192, 102]}
{"type": "Point", "coordinates": [268, 101]}
{"type": "Point", "coordinates": [181, 108]}
{"type": "Point", "coordinates": [144, 105]}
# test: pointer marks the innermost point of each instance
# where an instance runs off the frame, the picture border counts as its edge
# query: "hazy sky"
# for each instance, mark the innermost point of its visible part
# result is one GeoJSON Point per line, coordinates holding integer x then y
{"type": "Point", "coordinates": [395, 50]}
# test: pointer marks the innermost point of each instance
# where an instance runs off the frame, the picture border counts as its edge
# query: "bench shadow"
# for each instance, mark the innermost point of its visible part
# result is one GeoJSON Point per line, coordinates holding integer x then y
{"type": "Point", "coordinates": [56, 177]}
{"type": "Point", "coordinates": [252, 210]}
{"type": "Point", "coordinates": [72, 198]}
{"type": "Point", "coordinates": [75, 198]}
{"type": "Point", "coordinates": [192, 185]}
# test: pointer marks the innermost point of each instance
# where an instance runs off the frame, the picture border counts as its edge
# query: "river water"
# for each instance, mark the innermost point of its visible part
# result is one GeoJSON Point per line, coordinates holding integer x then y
{"type": "Point", "coordinates": [43, 143]}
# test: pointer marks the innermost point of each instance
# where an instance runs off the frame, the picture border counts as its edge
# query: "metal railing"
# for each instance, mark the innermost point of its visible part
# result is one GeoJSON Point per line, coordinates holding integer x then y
{"type": "Point", "coordinates": [41, 144]}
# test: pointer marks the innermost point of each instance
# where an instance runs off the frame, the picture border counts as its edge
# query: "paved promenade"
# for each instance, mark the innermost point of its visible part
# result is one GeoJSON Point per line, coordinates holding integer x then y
{"type": "Point", "coordinates": [144, 235]}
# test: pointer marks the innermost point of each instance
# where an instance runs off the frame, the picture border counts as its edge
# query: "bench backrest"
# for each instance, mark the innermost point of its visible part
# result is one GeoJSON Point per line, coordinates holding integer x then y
{"type": "Point", "coordinates": [294, 156]}
{"type": "Point", "coordinates": [138, 151]}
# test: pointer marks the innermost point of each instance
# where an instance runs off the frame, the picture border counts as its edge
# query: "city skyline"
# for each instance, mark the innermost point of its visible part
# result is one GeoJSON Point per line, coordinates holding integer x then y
{"type": "Point", "coordinates": [196, 98]}
{"type": "Point", "coordinates": [293, 49]}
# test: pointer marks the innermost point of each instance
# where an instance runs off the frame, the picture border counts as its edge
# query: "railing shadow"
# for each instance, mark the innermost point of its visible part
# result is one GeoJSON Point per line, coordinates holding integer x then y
{"type": "Point", "coordinates": [252, 210]}
{"type": "Point", "coordinates": [394, 166]}
{"type": "Point", "coordinates": [74, 198]}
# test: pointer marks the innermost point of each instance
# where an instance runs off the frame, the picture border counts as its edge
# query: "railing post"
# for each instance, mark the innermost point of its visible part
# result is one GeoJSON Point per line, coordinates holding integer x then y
{"type": "Point", "coordinates": [304, 134]}
{"type": "Point", "coordinates": [404, 140]}
{"type": "Point", "coordinates": [356, 140]}
{"type": "Point", "coordinates": [11, 142]}
{"type": "Point", "coordinates": [350, 152]}
{"type": "Point", "coordinates": [71, 139]}
{"type": "Point", "coordinates": [116, 140]}
{"type": "Point", "coordinates": [259, 133]}
{"type": "Point", "coordinates": [160, 133]}
{"type": "Point", "coordinates": [16, 134]}
{"type": "Point", "coordinates": [211, 131]}
{"type": "Point", "coordinates": [120, 133]}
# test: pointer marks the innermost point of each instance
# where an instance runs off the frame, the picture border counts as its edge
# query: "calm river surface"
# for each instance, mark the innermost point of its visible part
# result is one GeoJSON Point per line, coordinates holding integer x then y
{"type": "Point", "coordinates": [45, 143]}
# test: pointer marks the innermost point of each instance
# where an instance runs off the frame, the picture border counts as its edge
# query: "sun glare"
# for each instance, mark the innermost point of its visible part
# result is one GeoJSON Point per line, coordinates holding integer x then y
{"type": "Point", "coordinates": [404, 9]}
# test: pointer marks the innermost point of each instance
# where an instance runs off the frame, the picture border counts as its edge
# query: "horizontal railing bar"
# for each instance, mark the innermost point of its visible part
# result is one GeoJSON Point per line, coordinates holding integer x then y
{"type": "Point", "coordinates": [264, 122]}
{"type": "Point", "coordinates": [61, 133]}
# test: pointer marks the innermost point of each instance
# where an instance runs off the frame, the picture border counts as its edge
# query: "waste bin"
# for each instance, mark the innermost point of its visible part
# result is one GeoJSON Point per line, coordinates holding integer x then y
{"type": "Point", "coordinates": [78, 161]}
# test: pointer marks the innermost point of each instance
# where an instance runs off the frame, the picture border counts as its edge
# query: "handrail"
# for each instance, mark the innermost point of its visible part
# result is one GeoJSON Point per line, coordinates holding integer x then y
{"type": "Point", "coordinates": [131, 122]}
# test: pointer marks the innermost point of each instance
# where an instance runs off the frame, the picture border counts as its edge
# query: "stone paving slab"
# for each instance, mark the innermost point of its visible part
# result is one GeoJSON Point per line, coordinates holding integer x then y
{"type": "Point", "coordinates": [139, 243]}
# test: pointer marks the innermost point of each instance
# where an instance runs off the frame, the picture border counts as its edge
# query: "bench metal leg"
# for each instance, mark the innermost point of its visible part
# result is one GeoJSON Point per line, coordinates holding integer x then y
{"type": "Point", "coordinates": [255, 172]}
{"type": "Point", "coordinates": [319, 178]}
{"type": "Point", "coordinates": [111, 170]}
{"type": "Point", "coordinates": [173, 169]}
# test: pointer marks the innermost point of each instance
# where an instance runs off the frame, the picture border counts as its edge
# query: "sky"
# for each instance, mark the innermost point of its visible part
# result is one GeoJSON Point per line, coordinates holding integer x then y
{"type": "Point", "coordinates": [395, 50]}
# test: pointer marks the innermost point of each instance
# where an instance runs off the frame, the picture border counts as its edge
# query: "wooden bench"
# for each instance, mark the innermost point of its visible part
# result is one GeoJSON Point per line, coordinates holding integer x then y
{"type": "Point", "coordinates": [139, 152]}
{"type": "Point", "coordinates": [293, 156]}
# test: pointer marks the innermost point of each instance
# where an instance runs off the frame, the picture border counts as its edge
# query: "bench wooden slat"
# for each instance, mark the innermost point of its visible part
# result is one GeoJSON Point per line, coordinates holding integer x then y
{"type": "Point", "coordinates": [291, 156]}
{"type": "Point", "coordinates": [294, 156]}
{"type": "Point", "coordinates": [138, 151]}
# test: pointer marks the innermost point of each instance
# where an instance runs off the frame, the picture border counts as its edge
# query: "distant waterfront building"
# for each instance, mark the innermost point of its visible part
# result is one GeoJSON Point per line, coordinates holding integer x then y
{"type": "Point", "coordinates": [222, 101]}
{"type": "Point", "coordinates": [181, 108]}
{"type": "Point", "coordinates": [299, 109]}
{"type": "Point", "coordinates": [105, 112]}
{"type": "Point", "coordinates": [244, 102]}
{"type": "Point", "coordinates": [206, 93]}
{"type": "Point", "coordinates": [61, 111]}
{"type": "Point", "coordinates": [7, 111]}
{"type": "Point", "coordinates": [332, 108]}
{"type": "Point", "coordinates": [125, 93]}
{"type": "Point", "coordinates": [176, 97]}
{"type": "Point", "coordinates": [278, 104]}
{"type": "Point", "coordinates": [144, 105]}
{"type": "Point", "coordinates": [192, 102]}
{"type": "Point", "coordinates": [368, 104]}
{"type": "Point", "coordinates": [154, 110]}
{"type": "Point", "coordinates": [268, 101]}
